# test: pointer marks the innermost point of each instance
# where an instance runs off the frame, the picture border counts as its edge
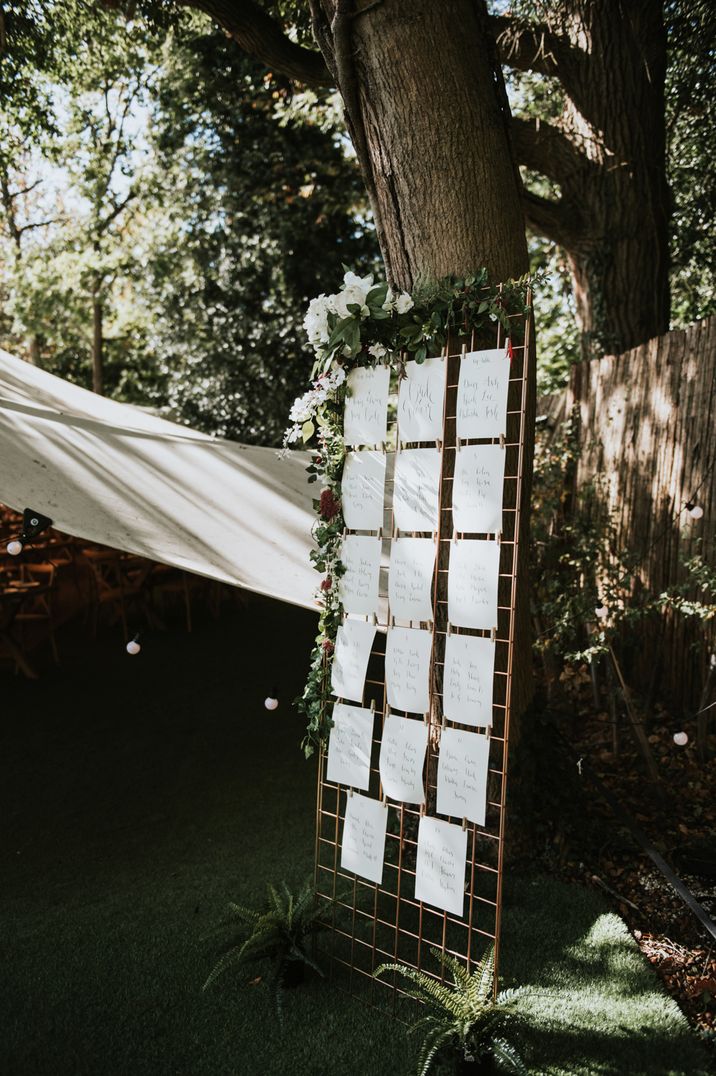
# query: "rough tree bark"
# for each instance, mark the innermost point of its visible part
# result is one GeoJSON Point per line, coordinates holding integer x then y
{"type": "Point", "coordinates": [607, 153]}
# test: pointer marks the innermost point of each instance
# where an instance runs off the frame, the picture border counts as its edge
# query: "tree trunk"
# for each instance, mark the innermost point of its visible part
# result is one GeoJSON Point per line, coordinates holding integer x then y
{"type": "Point", "coordinates": [428, 115]}
{"type": "Point", "coordinates": [607, 153]}
{"type": "Point", "coordinates": [97, 347]}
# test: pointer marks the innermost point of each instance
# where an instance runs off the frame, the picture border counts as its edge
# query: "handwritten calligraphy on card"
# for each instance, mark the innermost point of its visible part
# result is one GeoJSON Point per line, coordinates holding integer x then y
{"type": "Point", "coordinates": [440, 867]}
{"type": "Point", "coordinates": [468, 679]}
{"type": "Point", "coordinates": [354, 641]}
{"type": "Point", "coordinates": [420, 401]}
{"type": "Point", "coordinates": [363, 845]}
{"type": "Point", "coordinates": [365, 418]}
{"type": "Point", "coordinates": [358, 586]}
{"type": "Point", "coordinates": [463, 763]}
{"type": "Point", "coordinates": [417, 489]}
{"type": "Point", "coordinates": [349, 746]}
{"type": "Point", "coordinates": [363, 490]}
{"type": "Point", "coordinates": [410, 579]}
{"type": "Point", "coordinates": [473, 578]}
{"type": "Point", "coordinates": [407, 669]}
{"type": "Point", "coordinates": [483, 383]}
{"type": "Point", "coordinates": [477, 489]}
{"type": "Point", "coordinates": [402, 756]}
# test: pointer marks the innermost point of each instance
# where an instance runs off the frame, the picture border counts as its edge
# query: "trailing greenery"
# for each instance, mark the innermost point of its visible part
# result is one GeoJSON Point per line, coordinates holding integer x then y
{"type": "Point", "coordinates": [366, 324]}
{"type": "Point", "coordinates": [279, 933]}
{"type": "Point", "coordinates": [464, 1017]}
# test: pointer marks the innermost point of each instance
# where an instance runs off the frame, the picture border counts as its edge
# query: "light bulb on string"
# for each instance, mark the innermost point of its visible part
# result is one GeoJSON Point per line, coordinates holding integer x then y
{"type": "Point", "coordinates": [133, 646]}
{"type": "Point", "coordinates": [271, 701]}
{"type": "Point", "coordinates": [681, 739]}
{"type": "Point", "coordinates": [694, 510]}
{"type": "Point", "coordinates": [14, 548]}
{"type": "Point", "coordinates": [601, 612]}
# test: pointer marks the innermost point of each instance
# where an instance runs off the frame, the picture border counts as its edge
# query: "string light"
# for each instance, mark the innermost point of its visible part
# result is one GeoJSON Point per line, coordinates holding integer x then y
{"type": "Point", "coordinates": [14, 548]}
{"type": "Point", "coordinates": [601, 612]}
{"type": "Point", "coordinates": [694, 510]}
{"type": "Point", "coordinates": [681, 739]}
{"type": "Point", "coordinates": [271, 702]}
{"type": "Point", "coordinates": [133, 646]}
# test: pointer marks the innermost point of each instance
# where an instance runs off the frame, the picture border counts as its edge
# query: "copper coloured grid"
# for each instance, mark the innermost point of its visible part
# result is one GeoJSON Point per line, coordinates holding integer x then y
{"type": "Point", "coordinates": [371, 924]}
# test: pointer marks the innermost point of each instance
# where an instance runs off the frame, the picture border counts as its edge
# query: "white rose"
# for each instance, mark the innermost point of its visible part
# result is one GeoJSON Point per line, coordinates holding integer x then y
{"type": "Point", "coordinates": [377, 351]}
{"type": "Point", "coordinates": [316, 320]}
{"type": "Point", "coordinates": [403, 303]}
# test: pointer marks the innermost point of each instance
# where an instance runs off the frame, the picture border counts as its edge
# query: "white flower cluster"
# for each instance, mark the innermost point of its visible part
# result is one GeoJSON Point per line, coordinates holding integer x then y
{"type": "Point", "coordinates": [305, 407]}
{"type": "Point", "coordinates": [354, 291]}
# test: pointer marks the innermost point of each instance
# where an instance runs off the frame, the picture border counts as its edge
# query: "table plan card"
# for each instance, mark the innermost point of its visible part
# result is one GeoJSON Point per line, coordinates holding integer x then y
{"type": "Point", "coordinates": [363, 490]}
{"type": "Point", "coordinates": [417, 489]}
{"type": "Point", "coordinates": [483, 383]}
{"type": "Point", "coordinates": [359, 585]}
{"type": "Point", "coordinates": [402, 757]}
{"type": "Point", "coordinates": [463, 763]}
{"type": "Point", "coordinates": [363, 846]}
{"type": "Point", "coordinates": [410, 578]}
{"type": "Point", "coordinates": [349, 746]}
{"type": "Point", "coordinates": [477, 489]}
{"type": "Point", "coordinates": [354, 642]}
{"type": "Point", "coordinates": [440, 868]}
{"type": "Point", "coordinates": [473, 578]}
{"type": "Point", "coordinates": [365, 418]}
{"type": "Point", "coordinates": [407, 669]}
{"type": "Point", "coordinates": [421, 400]}
{"type": "Point", "coordinates": [467, 679]}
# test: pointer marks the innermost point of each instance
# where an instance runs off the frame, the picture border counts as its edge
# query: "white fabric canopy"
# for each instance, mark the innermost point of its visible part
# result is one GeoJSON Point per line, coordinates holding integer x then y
{"type": "Point", "coordinates": [116, 475]}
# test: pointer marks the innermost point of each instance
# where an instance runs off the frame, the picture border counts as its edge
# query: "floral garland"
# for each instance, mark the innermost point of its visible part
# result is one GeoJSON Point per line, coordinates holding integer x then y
{"type": "Point", "coordinates": [366, 324]}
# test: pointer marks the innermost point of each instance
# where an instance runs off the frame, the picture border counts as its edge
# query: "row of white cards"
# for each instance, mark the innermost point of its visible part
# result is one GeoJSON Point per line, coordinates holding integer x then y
{"type": "Point", "coordinates": [481, 408]}
{"type": "Point", "coordinates": [476, 489]}
{"type": "Point", "coordinates": [473, 576]}
{"type": "Point", "coordinates": [462, 761]}
{"type": "Point", "coordinates": [442, 852]}
{"type": "Point", "coordinates": [467, 674]}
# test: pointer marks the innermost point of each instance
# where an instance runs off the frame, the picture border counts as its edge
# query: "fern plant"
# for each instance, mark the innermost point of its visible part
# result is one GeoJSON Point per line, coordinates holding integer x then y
{"type": "Point", "coordinates": [278, 934]}
{"type": "Point", "coordinates": [464, 1019]}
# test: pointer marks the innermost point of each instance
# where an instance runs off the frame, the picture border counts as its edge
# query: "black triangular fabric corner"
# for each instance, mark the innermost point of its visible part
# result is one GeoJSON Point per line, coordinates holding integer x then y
{"type": "Point", "coordinates": [33, 523]}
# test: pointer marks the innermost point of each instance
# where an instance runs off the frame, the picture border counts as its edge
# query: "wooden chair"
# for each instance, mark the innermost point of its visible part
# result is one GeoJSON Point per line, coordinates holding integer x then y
{"type": "Point", "coordinates": [112, 585]}
{"type": "Point", "coordinates": [38, 608]}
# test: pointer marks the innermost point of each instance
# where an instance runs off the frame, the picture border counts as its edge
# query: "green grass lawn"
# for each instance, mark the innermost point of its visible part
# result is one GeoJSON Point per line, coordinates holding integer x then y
{"type": "Point", "coordinates": [140, 794]}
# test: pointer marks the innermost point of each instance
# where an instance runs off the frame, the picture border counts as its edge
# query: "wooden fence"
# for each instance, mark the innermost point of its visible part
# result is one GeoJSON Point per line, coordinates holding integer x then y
{"type": "Point", "coordinates": [647, 426]}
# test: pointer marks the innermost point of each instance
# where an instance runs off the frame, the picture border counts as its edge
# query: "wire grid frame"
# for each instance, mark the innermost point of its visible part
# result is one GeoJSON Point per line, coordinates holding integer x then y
{"type": "Point", "coordinates": [370, 923]}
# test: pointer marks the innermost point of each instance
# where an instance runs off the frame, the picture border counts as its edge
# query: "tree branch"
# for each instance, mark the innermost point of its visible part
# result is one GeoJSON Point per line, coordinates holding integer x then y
{"type": "Point", "coordinates": [544, 148]}
{"type": "Point", "coordinates": [528, 48]}
{"type": "Point", "coordinates": [257, 33]}
{"type": "Point", "coordinates": [557, 220]}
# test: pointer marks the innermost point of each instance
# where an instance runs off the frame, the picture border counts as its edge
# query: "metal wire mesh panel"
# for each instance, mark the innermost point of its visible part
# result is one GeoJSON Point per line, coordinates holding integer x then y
{"type": "Point", "coordinates": [371, 923]}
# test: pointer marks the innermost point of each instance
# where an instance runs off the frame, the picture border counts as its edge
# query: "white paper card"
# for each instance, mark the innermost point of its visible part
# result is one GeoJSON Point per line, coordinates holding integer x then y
{"type": "Point", "coordinates": [482, 393]}
{"type": "Point", "coordinates": [358, 587]}
{"type": "Point", "coordinates": [417, 489]}
{"type": "Point", "coordinates": [363, 845]}
{"type": "Point", "coordinates": [354, 641]}
{"type": "Point", "coordinates": [420, 401]}
{"type": "Point", "coordinates": [363, 490]}
{"type": "Point", "coordinates": [365, 418]}
{"type": "Point", "coordinates": [402, 756]}
{"type": "Point", "coordinates": [350, 745]}
{"type": "Point", "coordinates": [407, 669]}
{"type": "Point", "coordinates": [468, 679]}
{"type": "Point", "coordinates": [410, 578]}
{"type": "Point", "coordinates": [440, 868]}
{"type": "Point", "coordinates": [472, 583]}
{"type": "Point", "coordinates": [477, 489]}
{"type": "Point", "coordinates": [462, 775]}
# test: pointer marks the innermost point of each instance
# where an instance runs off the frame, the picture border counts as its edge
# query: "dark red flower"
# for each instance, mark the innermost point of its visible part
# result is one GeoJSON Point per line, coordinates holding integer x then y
{"type": "Point", "coordinates": [327, 646]}
{"type": "Point", "coordinates": [326, 584]}
{"type": "Point", "coordinates": [329, 506]}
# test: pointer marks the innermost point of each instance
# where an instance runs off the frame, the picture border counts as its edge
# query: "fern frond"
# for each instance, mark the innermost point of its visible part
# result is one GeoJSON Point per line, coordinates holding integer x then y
{"type": "Point", "coordinates": [507, 1058]}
